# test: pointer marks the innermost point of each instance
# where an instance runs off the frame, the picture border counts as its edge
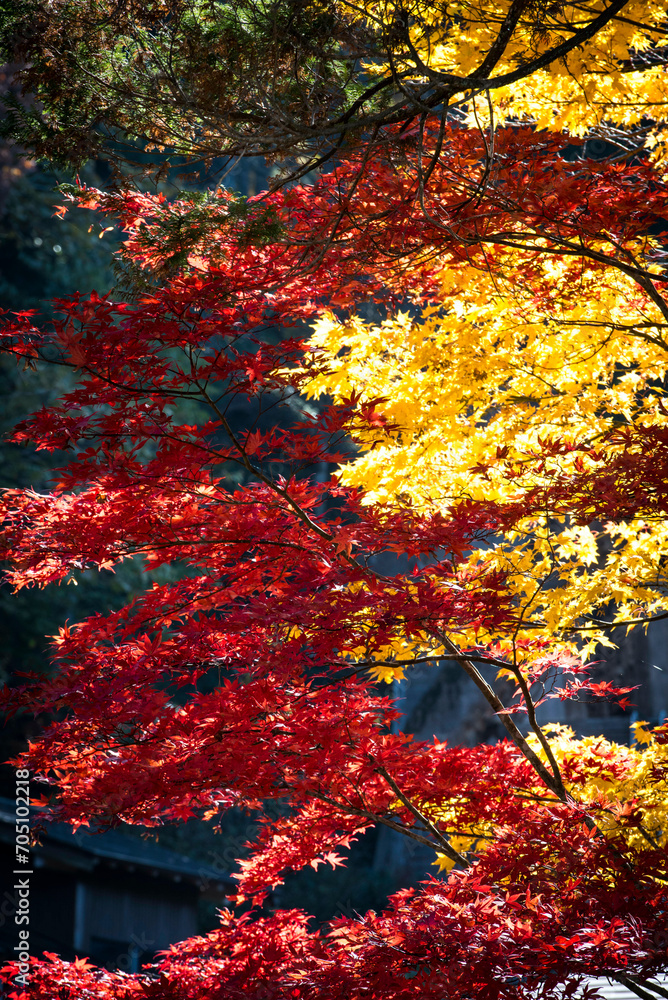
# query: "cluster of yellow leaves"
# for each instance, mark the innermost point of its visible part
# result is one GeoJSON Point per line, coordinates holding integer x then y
{"type": "Point", "coordinates": [624, 789]}
{"type": "Point", "coordinates": [468, 377]}
{"type": "Point", "coordinates": [589, 87]}
{"type": "Point", "coordinates": [477, 385]}
{"type": "Point", "coordinates": [607, 82]}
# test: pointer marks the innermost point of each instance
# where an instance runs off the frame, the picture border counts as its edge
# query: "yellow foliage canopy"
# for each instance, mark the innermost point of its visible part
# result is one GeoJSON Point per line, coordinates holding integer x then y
{"type": "Point", "coordinates": [477, 384]}
{"type": "Point", "coordinates": [624, 788]}
{"type": "Point", "coordinates": [611, 83]}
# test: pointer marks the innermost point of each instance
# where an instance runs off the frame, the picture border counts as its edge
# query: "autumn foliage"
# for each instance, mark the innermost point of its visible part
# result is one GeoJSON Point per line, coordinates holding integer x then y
{"type": "Point", "coordinates": [499, 431]}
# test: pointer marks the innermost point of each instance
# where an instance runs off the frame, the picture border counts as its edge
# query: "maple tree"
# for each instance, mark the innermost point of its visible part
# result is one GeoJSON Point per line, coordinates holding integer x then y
{"type": "Point", "coordinates": [510, 432]}
{"type": "Point", "coordinates": [282, 600]}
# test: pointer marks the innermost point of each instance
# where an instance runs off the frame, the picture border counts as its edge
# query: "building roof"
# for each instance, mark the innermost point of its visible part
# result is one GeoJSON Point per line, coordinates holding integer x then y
{"type": "Point", "coordinates": [86, 849]}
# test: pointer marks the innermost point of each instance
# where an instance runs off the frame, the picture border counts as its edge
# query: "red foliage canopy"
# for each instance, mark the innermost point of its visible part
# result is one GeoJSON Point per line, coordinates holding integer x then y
{"type": "Point", "coordinates": [282, 599]}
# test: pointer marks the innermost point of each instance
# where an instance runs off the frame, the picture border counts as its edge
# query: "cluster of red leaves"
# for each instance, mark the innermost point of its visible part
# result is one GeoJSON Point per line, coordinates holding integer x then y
{"type": "Point", "coordinates": [354, 232]}
{"type": "Point", "coordinates": [621, 477]}
{"type": "Point", "coordinates": [626, 478]}
{"type": "Point", "coordinates": [490, 931]}
{"type": "Point", "coordinates": [530, 188]}
{"type": "Point", "coordinates": [245, 681]}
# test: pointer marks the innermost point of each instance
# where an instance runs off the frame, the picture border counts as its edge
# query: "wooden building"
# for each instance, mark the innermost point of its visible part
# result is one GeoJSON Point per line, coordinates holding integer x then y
{"type": "Point", "coordinates": [109, 896]}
